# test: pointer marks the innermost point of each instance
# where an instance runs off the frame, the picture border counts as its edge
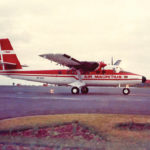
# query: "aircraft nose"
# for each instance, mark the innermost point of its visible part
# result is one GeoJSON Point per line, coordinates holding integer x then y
{"type": "Point", "coordinates": [143, 79]}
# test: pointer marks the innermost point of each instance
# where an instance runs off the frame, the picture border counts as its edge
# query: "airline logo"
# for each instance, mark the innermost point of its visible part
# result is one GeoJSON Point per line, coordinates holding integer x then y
{"type": "Point", "coordinates": [111, 77]}
{"type": "Point", "coordinates": [103, 77]}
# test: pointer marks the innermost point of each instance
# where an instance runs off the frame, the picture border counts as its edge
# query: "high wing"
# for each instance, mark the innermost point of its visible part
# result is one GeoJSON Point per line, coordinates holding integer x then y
{"type": "Point", "coordinates": [70, 62]}
{"type": "Point", "coordinates": [62, 59]}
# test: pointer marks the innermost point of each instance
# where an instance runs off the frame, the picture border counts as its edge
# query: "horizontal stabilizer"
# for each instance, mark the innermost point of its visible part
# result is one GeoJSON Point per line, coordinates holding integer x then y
{"type": "Point", "coordinates": [8, 63]}
{"type": "Point", "coordinates": [24, 66]}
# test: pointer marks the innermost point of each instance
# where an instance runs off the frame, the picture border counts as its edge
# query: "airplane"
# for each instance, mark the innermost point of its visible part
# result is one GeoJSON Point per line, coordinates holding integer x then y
{"type": "Point", "coordinates": [79, 75]}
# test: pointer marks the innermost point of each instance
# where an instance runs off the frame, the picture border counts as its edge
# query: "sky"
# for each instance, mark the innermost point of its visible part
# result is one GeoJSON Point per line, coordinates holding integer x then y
{"type": "Point", "coordinates": [88, 30]}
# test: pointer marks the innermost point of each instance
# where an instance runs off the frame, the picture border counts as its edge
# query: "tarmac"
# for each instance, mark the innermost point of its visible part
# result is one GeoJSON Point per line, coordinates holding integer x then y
{"type": "Point", "coordinates": [37, 100]}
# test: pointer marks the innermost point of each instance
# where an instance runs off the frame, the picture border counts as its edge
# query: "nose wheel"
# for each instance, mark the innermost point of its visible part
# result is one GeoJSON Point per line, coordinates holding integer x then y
{"type": "Point", "coordinates": [126, 91]}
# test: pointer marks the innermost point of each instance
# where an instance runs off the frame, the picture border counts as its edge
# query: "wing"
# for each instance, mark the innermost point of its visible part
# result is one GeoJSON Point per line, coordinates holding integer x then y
{"type": "Point", "coordinates": [70, 62]}
{"type": "Point", "coordinates": [62, 59]}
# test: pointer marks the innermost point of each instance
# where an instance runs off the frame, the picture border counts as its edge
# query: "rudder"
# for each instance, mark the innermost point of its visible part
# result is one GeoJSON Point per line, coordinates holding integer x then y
{"type": "Point", "coordinates": [8, 58]}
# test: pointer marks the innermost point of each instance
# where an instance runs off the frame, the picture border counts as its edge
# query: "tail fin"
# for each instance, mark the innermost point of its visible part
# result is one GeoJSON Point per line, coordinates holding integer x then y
{"type": "Point", "coordinates": [8, 58]}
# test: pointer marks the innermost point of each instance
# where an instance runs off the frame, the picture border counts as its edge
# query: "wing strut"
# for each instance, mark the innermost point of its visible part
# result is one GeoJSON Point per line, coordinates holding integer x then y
{"type": "Point", "coordinates": [79, 75]}
{"type": "Point", "coordinates": [79, 83]}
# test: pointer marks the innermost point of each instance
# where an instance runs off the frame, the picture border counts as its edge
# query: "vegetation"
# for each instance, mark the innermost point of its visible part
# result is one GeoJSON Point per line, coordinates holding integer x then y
{"type": "Point", "coordinates": [114, 131]}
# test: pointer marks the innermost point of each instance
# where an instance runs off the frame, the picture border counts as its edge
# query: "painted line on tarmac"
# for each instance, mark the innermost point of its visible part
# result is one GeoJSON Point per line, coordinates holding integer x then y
{"type": "Point", "coordinates": [79, 98]}
{"type": "Point", "coordinates": [51, 98]}
{"type": "Point", "coordinates": [140, 95]}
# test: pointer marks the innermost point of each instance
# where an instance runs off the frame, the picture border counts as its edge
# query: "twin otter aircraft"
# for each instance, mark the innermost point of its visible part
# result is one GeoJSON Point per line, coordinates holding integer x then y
{"type": "Point", "coordinates": [79, 76]}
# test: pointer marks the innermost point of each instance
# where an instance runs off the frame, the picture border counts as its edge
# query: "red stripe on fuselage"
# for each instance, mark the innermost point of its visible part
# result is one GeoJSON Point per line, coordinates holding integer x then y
{"type": "Point", "coordinates": [40, 75]}
{"type": "Point", "coordinates": [112, 79]}
{"type": "Point", "coordinates": [63, 76]}
{"type": "Point", "coordinates": [65, 72]}
{"type": "Point", "coordinates": [50, 73]}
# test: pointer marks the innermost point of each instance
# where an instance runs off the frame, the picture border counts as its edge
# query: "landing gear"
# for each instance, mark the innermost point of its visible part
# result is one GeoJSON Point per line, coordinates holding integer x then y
{"type": "Point", "coordinates": [126, 91]}
{"type": "Point", "coordinates": [84, 90]}
{"type": "Point", "coordinates": [80, 83]}
{"type": "Point", "coordinates": [75, 90]}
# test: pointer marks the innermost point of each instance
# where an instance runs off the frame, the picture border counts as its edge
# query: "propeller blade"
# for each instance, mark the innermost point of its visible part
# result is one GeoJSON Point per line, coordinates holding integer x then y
{"type": "Point", "coordinates": [112, 61]}
{"type": "Point", "coordinates": [117, 63]}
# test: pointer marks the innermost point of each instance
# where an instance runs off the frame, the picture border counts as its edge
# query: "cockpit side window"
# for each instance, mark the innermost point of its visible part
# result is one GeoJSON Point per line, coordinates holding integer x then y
{"type": "Point", "coordinates": [97, 72]}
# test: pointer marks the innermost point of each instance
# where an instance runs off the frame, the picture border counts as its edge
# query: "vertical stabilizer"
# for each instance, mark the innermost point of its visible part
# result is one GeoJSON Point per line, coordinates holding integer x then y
{"type": "Point", "coordinates": [8, 58]}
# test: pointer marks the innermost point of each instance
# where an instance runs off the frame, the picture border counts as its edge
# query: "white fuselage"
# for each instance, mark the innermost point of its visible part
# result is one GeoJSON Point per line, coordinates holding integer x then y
{"type": "Point", "coordinates": [66, 78]}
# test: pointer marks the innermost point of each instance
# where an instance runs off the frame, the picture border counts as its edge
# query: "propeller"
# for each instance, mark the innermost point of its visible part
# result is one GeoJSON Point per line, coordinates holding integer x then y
{"type": "Point", "coordinates": [117, 63]}
{"type": "Point", "coordinates": [112, 61]}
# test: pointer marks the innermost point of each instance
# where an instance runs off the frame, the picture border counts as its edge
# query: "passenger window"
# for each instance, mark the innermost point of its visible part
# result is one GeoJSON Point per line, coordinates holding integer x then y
{"type": "Point", "coordinates": [103, 71]}
{"type": "Point", "coordinates": [59, 72]}
{"type": "Point", "coordinates": [68, 72]}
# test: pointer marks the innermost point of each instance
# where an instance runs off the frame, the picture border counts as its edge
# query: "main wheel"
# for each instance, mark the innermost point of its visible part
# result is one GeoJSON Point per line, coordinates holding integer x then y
{"type": "Point", "coordinates": [75, 90]}
{"type": "Point", "coordinates": [84, 90]}
{"type": "Point", "coordinates": [126, 91]}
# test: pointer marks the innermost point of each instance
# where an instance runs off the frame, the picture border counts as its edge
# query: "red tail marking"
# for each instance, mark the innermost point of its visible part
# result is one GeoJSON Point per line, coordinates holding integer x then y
{"type": "Point", "coordinates": [12, 58]}
{"type": "Point", "coordinates": [7, 56]}
{"type": "Point", "coordinates": [5, 44]}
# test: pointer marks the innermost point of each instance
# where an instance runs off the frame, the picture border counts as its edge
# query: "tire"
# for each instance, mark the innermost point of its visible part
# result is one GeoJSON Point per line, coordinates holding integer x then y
{"type": "Point", "coordinates": [75, 90]}
{"type": "Point", "coordinates": [84, 90]}
{"type": "Point", "coordinates": [126, 91]}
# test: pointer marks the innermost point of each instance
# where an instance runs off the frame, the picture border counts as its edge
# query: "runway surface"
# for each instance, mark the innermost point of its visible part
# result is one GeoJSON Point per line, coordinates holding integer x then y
{"type": "Point", "coordinates": [28, 100]}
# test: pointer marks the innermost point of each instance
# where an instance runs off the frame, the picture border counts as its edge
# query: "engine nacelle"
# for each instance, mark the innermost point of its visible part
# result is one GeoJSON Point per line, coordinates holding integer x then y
{"type": "Point", "coordinates": [101, 65]}
{"type": "Point", "coordinates": [117, 69]}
